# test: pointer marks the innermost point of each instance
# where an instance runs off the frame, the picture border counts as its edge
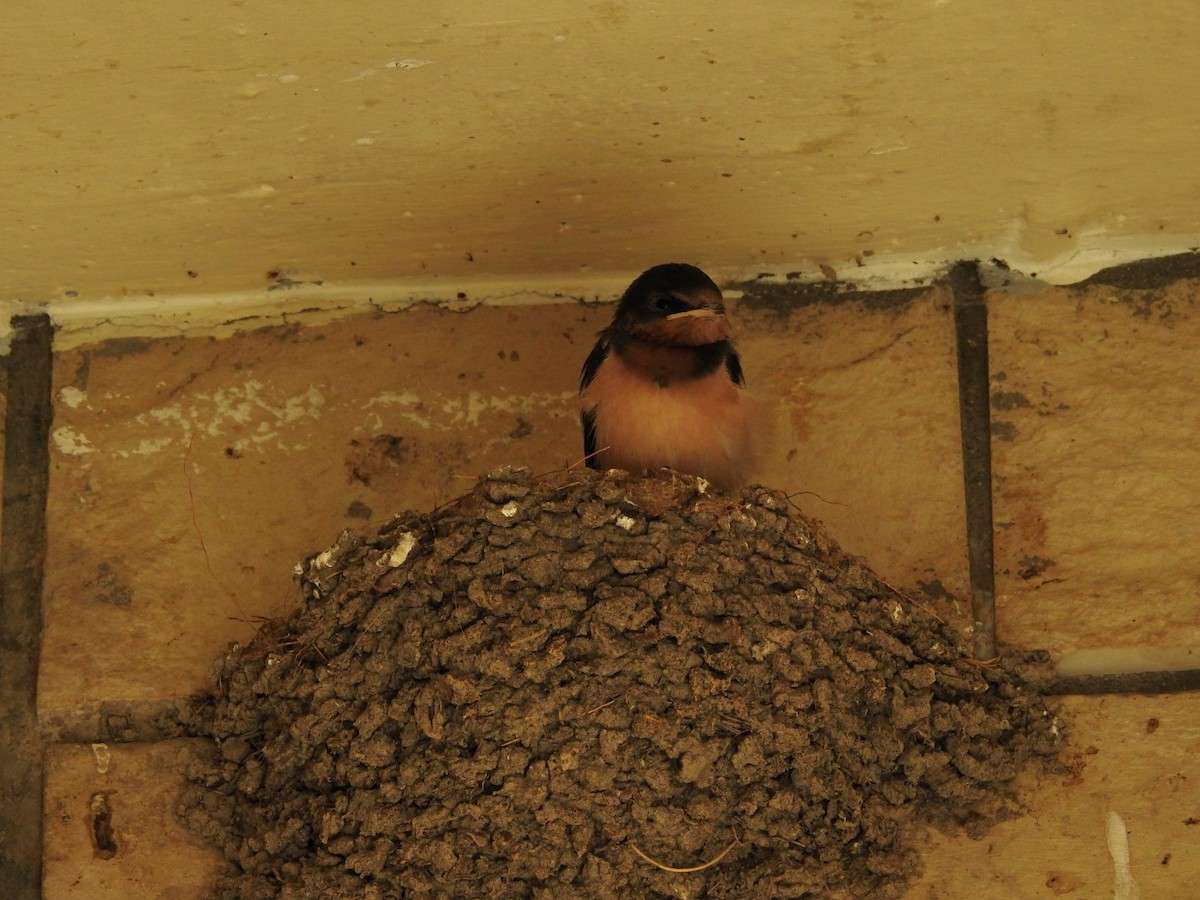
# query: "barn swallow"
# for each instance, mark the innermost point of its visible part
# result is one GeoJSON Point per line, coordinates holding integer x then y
{"type": "Point", "coordinates": [663, 386]}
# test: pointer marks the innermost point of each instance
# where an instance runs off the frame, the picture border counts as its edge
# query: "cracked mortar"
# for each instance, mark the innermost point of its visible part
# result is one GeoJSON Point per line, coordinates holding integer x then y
{"type": "Point", "coordinates": [591, 685]}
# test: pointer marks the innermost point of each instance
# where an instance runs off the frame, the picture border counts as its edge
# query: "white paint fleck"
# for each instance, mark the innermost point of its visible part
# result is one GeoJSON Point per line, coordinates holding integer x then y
{"type": "Point", "coordinates": [1124, 887]}
{"type": "Point", "coordinates": [701, 485]}
{"type": "Point", "coordinates": [72, 397]}
{"type": "Point", "coordinates": [509, 509]}
{"type": "Point", "coordinates": [249, 411]}
{"type": "Point", "coordinates": [255, 193]}
{"type": "Point", "coordinates": [72, 443]}
{"type": "Point", "coordinates": [288, 79]}
{"type": "Point", "coordinates": [365, 141]}
{"type": "Point", "coordinates": [626, 522]}
{"type": "Point", "coordinates": [324, 559]}
{"type": "Point", "coordinates": [103, 757]}
{"type": "Point", "coordinates": [146, 447]}
{"type": "Point", "coordinates": [399, 553]}
{"type": "Point", "coordinates": [408, 63]}
{"type": "Point", "coordinates": [392, 398]}
{"type": "Point", "coordinates": [406, 399]}
{"type": "Point", "coordinates": [441, 412]}
{"type": "Point", "coordinates": [164, 414]}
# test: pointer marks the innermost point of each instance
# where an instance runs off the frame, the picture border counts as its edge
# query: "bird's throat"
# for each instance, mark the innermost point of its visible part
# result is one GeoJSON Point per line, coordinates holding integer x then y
{"type": "Point", "coordinates": [665, 364]}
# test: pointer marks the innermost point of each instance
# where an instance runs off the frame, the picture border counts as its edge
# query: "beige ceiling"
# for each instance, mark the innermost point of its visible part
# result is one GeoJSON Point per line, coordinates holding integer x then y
{"type": "Point", "coordinates": [181, 148]}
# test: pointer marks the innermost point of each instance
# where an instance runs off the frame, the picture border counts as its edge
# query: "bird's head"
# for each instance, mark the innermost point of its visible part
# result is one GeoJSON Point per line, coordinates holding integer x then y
{"type": "Point", "coordinates": [674, 304]}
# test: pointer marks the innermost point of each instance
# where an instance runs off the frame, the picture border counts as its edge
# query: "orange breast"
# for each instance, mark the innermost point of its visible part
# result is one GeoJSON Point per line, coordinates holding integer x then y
{"type": "Point", "coordinates": [701, 426]}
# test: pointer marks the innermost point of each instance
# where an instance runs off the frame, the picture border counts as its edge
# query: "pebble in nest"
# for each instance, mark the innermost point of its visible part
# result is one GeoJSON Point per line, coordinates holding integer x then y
{"type": "Point", "coordinates": [594, 685]}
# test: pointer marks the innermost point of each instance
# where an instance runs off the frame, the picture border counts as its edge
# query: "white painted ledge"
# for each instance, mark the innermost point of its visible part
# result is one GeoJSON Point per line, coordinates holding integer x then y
{"type": "Point", "coordinates": [1128, 660]}
{"type": "Point", "coordinates": [82, 320]}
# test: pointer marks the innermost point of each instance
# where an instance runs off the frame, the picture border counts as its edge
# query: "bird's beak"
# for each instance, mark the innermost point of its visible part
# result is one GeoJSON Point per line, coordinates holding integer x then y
{"type": "Point", "coordinates": [708, 311]}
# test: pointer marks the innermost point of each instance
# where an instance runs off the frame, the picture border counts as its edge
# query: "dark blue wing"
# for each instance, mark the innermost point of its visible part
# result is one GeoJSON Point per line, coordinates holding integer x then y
{"type": "Point", "coordinates": [587, 417]}
{"type": "Point", "coordinates": [591, 365]}
{"type": "Point", "coordinates": [733, 366]}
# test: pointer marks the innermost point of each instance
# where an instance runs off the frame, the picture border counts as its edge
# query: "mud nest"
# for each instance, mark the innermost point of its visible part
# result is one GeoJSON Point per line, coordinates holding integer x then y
{"type": "Point", "coordinates": [593, 685]}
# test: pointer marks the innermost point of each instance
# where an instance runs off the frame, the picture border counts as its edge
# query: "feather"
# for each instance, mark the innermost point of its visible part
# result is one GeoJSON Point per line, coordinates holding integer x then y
{"type": "Point", "coordinates": [733, 365]}
{"type": "Point", "coordinates": [591, 365]}
{"type": "Point", "coordinates": [588, 419]}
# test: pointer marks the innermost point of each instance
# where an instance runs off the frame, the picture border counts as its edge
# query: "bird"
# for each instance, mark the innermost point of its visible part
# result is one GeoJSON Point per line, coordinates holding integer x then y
{"type": "Point", "coordinates": [663, 386]}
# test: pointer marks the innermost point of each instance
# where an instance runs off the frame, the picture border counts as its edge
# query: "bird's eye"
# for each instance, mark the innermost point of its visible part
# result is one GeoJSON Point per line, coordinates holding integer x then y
{"type": "Point", "coordinates": [662, 304]}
